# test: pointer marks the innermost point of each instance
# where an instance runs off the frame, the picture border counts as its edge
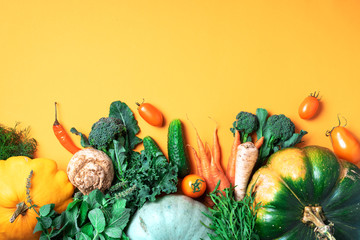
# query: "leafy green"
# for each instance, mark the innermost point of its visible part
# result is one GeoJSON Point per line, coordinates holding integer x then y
{"type": "Point", "coordinates": [143, 177]}
{"type": "Point", "coordinates": [16, 142]}
{"type": "Point", "coordinates": [232, 219]}
{"type": "Point", "coordinates": [88, 217]}
{"type": "Point", "coordinates": [139, 177]}
{"type": "Point", "coordinates": [121, 111]}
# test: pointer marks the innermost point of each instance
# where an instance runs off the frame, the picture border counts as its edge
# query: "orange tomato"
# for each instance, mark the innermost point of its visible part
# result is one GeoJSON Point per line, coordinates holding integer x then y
{"type": "Point", "coordinates": [345, 145]}
{"type": "Point", "coordinates": [309, 107]}
{"type": "Point", "coordinates": [193, 185]}
{"type": "Point", "coordinates": [150, 114]}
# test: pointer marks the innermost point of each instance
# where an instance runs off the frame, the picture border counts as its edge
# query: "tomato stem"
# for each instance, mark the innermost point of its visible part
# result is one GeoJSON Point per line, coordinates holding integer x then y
{"type": "Point", "coordinates": [316, 95]}
{"type": "Point", "coordinates": [140, 103]}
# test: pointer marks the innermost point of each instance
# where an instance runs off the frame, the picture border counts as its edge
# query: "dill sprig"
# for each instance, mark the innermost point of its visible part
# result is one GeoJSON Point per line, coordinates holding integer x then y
{"type": "Point", "coordinates": [16, 142]}
{"type": "Point", "coordinates": [232, 219]}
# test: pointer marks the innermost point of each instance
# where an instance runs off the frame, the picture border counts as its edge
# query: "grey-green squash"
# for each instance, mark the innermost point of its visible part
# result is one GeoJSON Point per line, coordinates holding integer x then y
{"type": "Point", "coordinates": [171, 217]}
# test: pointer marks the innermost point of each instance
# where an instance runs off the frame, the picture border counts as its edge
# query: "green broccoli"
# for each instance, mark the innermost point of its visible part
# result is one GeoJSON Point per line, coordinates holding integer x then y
{"type": "Point", "coordinates": [278, 132]}
{"type": "Point", "coordinates": [104, 131]}
{"type": "Point", "coordinates": [246, 123]}
{"type": "Point", "coordinates": [278, 129]}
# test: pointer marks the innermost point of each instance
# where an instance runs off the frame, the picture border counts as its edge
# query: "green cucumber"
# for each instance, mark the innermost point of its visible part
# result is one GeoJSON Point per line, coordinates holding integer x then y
{"type": "Point", "coordinates": [176, 148]}
{"type": "Point", "coordinates": [151, 147]}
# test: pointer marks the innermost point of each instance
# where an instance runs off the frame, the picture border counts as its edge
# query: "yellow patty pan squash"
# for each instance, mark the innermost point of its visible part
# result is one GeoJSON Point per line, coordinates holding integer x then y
{"type": "Point", "coordinates": [48, 185]}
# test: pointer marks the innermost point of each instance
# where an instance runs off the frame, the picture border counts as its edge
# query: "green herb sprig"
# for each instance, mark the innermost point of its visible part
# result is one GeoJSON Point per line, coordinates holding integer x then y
{"type": "Point", "coordinates": [232, 219]}
{"type": "Point", "coordinates": [15, 141]}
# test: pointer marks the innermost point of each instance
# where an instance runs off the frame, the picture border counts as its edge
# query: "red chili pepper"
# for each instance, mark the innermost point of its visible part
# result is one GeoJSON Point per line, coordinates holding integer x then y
{"type": "Point", "coordinates": [63, 137]}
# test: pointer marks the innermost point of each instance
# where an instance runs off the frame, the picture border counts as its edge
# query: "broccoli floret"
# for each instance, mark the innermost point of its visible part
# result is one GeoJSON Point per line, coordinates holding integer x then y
{"type": "Point", "coordinates": [246, 123]}
{"type": "Point", "coordinates": [278, 132]}
{"type": "Point", "coordinates": [104, 131]}
{"type": "Point", "coordinates": [280, 128]}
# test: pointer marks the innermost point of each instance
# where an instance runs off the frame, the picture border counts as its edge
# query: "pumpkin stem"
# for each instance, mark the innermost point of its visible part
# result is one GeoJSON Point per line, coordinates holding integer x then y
{"type": "Point", "coordinates": [21, 208]}
{"type": "Point", "coordinates": [315, 216]}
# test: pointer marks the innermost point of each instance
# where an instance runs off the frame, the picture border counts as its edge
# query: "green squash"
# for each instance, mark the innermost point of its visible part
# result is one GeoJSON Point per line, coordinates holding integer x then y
{"type": "Point", "coordinates": [171, 217]}
{"type": "Point", "coordinates": [307, 194]}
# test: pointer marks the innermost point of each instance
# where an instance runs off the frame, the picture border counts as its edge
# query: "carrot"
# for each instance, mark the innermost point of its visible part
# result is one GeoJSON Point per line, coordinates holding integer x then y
{"type": "Point", "coordinates": [230, 170]}
{"type": "Point", "coordinates": [217, 152]}
{"type": "Point", "coordinates": [63, 137]}
{"type": "Point", "coordinates": [218, 175]}
{"type": "Point", "coordinates": [197, 162]}
{"type": "Point", "coordinates": [259, 143]}
{"type": "Point", "coordinates": [246, 157]}
{"type": "Point", "coordinates": [205, 164]}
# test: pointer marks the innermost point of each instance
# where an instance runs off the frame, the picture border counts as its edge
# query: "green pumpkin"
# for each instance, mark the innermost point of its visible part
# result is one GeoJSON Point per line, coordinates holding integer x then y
{"type": "Point", "coordinates": [307, 194]}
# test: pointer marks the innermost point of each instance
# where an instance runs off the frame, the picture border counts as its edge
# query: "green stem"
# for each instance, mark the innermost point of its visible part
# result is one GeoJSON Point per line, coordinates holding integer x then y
{"type": "Point", "coordinates": [314, 216]}
{"type": "Point", "coordinates": [96, 235]}
{"type": "Point", "coordinates": [21, 209]}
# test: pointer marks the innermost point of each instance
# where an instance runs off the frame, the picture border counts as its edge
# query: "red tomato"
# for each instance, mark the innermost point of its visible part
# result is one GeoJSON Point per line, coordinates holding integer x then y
{"type": "Point", "coordinates": [309, 107]}
{"type": "Point", "coordinates": [193, 185]}
{"type": "Point", "coordinates": [150, 114]}
{"type": "Point", "coordinates": [345, 145]}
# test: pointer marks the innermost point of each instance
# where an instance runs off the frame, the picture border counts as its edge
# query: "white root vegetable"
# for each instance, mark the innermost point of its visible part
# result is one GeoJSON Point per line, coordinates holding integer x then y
{"type": "Point", "coordinates": [90, 169]}
{"type": "Point", "coordinates": [246, 156]}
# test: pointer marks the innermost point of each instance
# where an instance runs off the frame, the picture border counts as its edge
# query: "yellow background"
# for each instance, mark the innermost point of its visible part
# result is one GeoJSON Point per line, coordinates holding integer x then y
{"type": "Point", "coordinates": [191, 59]}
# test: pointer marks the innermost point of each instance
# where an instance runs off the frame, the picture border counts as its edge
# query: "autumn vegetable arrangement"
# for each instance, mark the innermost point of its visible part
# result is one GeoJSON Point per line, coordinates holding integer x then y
{"type": "Point", "coordinates": [270, 189]}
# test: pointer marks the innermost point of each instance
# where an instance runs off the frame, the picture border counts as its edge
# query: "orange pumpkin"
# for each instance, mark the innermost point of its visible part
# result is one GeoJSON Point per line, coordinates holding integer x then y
{"type": "Point", "coordinates": [48, 185]}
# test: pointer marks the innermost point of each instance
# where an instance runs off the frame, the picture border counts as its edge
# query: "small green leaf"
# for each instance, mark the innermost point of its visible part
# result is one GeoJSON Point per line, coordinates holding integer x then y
{"type": "Point", "coordinates": [43, 236]}
{"type": "Point", "coordinates": [84, 208]}
{"type": "Point", "coordinates": [113, 232]}
{"type": "Point", "coordinates": [46, 209]}
{"type": "Point", "coordinates": [45, 222]}
{"type": "Point", "coordinates": [57, 222]}
{"type": "Point", "coordinates": [74, 203]}
{"type": "Point", "coordinates": [88, 229]}
{"type": "Point", "coordinates": [82, 236]}
{"type": "Point", "coordinates": [102, 237]}
{"type": "Point", "coordinates": [38, 227]}
{"type": "Point", "coordinates": [95, 198]}
{"type": "Point", "coordinates": [97, 219]}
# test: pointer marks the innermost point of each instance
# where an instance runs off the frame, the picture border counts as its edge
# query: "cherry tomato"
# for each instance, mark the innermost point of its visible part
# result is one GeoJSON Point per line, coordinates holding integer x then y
{"type": "Point", "coordinates": [345, 145]}
{"type": "Point", "coordinates": [193, 185]}
{"type": "Point", "coordinates": [309, 107]}
{"type": "Point", "coordinates": [150, 114]}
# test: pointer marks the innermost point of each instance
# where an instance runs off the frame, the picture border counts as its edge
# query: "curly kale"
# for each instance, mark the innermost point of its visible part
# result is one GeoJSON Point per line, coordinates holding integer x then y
{"type": "Point", "coordinates": [246, 123]}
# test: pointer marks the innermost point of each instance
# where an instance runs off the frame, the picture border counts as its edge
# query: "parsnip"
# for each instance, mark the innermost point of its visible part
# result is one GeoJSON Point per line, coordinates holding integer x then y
{"type": "Point", "coordinates": [246, 156]}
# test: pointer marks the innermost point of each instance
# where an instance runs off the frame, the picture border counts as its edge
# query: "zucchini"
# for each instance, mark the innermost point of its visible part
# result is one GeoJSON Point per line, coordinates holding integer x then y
{"type": "Point", "coordinates": [151, 147]}
{"type": "Point", "coordinates": [176, 148]}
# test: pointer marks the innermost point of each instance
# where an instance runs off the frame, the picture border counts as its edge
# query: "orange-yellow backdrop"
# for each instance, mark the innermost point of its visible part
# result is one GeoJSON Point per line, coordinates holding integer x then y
{"type": "Point", "coordinates": [195, 59]}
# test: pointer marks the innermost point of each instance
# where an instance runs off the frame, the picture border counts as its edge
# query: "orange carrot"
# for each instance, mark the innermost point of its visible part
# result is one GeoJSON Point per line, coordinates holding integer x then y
{"type": "Point", "coordinates": [230, 170]}
{"type": "Point", "coordinates": [218, 175]}
{"type": "Point", "coordinates": [259, 143]}
{"type": "Point", "coordinates": [197, 162]}
{"type": "Point", "coordinates": [217, 151]}
{"type": "Point", "coordinates": [205, 164]}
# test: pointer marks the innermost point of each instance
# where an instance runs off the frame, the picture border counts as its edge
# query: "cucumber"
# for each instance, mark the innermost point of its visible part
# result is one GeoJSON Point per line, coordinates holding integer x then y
{"type": "Point", "coordinates": [176, 148]}
{"type": "Point", "coordinates": [151, 147]}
